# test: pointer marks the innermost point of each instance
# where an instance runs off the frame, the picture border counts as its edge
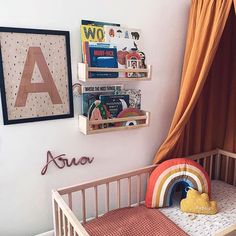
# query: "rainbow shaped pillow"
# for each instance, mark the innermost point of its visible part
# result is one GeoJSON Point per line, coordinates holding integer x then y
{"type": "Point", "coordinates": [169, 174]}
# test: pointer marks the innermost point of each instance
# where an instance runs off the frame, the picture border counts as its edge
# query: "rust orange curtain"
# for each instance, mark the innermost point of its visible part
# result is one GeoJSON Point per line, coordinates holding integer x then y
{"type": "Point", "coordinates": [212, 123]}
{"type": "Point", "coordinates": [206, 24]}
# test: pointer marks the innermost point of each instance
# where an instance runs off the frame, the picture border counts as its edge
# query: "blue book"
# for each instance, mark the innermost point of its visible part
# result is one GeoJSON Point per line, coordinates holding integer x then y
{"type": "Point", "coordinates": [103, 57]}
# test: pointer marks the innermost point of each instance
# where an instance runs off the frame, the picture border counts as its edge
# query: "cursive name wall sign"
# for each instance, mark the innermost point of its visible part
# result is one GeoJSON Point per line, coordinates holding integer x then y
{"type": "Point", "coordinates": [61, 161]}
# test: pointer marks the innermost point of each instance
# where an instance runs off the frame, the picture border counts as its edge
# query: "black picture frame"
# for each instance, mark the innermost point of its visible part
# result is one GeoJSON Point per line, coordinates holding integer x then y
{"type": "Point", "coordinates": [44, 32]}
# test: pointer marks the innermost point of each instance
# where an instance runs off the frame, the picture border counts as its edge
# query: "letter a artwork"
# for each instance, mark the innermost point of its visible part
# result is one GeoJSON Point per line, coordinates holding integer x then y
{"type": "Point", "coordinates": [35, 75]}
{"type": "Point", "coordinates": [35, 55]}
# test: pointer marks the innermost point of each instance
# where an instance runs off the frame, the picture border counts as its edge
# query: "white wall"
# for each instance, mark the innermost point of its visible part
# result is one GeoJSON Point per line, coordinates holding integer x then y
{"type": "Point", "coordinates": [25, 200]}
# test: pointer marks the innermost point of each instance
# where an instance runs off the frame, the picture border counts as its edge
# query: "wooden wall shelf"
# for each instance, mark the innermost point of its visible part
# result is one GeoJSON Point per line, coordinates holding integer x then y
{"type": "Point", "coordinates": [84, 69]}
{"type": "Point", "coordinates": [86, 126]}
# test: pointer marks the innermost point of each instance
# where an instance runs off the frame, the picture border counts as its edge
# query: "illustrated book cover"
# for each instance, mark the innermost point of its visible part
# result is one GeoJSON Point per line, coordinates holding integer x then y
{"type": "Point", "coordinates": [92, 31]}
{"type": "Point", "coordinates": [112, 33]}
{"type": "Point", "coordinates": [92, 93]}
{"type": "Point", "coordinates": [89, 98]}
{"type": "Point", "coordinates": [134, 97]}
{"type": "Point", "coordinates": [102, 57]}
{"type": "Point", "coordinates": [115, 103]}
{"type": "Point", "coordinates": [127, 41]}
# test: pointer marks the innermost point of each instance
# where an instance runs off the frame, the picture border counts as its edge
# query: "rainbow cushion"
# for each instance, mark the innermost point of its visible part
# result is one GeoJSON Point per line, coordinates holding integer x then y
{"type": "Point", "coordinates": [166, 176]}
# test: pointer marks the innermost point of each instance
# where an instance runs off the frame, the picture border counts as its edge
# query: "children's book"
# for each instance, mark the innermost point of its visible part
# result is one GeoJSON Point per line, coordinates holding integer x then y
{"type": "Point", "coordinates": [102, 57]}
{"type": "Point", "coordinates": [115, 32]}
{"type": "Point", "coordinates": [124, 46]}
{"type": "Point", "coordinates": [92, 93]}
{"type": "Point", "coordinates": [87, 45]}
{"type": "Point", "coordinates": [89, 98]}
{"type": "Point", "coordinates": [115, 103]}
{"type": "Point", "coordinates": [134, 97]}
{"type": "Point", "coordinates": [102, 88]}
{"type": "Point", "coordinates": [127, 41]}
{"type": "Point", "coordinates": [92, 31]}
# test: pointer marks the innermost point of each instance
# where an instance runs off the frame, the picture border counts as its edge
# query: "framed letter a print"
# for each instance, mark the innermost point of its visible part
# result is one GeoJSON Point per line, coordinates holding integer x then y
{"type": "Point", "coordinates": [35, 75]}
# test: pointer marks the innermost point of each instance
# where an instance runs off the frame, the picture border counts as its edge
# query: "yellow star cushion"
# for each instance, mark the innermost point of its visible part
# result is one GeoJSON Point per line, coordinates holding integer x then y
{"type": "Point", "coordinates": [198, 203]}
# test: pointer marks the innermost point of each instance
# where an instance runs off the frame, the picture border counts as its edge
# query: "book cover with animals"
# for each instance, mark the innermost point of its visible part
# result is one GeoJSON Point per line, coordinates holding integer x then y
{"type": "Point", "coordinates": [113, 32]}
{"type": "Point", "coordinates": [127, 41]}
{"type": "Point", "coordinates": [115, 103]}
{"type": "Point", "coordinates": [134, 97]}
{"type": "Point", "coordinates": [102, 57]}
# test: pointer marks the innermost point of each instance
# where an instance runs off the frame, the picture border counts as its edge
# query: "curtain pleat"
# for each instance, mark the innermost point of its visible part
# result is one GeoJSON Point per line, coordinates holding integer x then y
{"type": "Point", "coordinates": [212, 123]}
{"type": "Point", "coordinates": [206, 23]}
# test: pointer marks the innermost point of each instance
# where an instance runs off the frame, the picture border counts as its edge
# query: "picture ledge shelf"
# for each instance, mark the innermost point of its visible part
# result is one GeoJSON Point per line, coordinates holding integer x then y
{"type": "Point", "coordinates": [84, 69]}
{"type": "Point", "coordinates": [86, 128]}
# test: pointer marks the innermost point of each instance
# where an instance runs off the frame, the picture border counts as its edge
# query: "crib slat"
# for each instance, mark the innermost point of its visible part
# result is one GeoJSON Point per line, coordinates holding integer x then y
{"type": "Point", "coordinates": [129, 191]}
{"type": "Point", "coordinates": [204, 163]}
{"type": "Point", "coordinates": [70, 229]}
{"type": "Point", "coordinates": [118, 193]}
{"type": "Point", "coordinates": [218, 166]}
{"type": "Point", "coordinates": [96, 200]}
{"type": "Point", "coordinates": [234, 172]}
{"type": "Point", "coordinates": [70, 200]}
{"type": "Point", "coordinates": [107, 198]}
{"type": "Point", "coordinates": [198, 161]}
{"type": "Point", "coordinates": [55, 216]}
{"type": "Point", "coordinates": [211, 163]}
{"type": "Point", "coordinates": [227, 169]}
{"type": "Point", "coordinates": [65, 232]}
{"type": "Point", "coordinates": [138, 189]}
{"type": "Point", "coordinates": [60, 221]}
{"type": "Point", "coordinates": [75, 234]}
{"type": "Point", "coordinates": [83, 206]}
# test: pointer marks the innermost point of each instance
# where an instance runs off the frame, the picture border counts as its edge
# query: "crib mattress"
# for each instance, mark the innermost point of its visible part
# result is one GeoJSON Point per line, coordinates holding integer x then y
{"type": "Point", "coordinates": [133, 221]}
{"type": "Point", "coordinates": [206, 225]}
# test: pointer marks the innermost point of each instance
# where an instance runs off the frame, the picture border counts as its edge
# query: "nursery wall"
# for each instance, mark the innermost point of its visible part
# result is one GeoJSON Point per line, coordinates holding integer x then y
{"type": "Point", "coordinates": [25, 200]}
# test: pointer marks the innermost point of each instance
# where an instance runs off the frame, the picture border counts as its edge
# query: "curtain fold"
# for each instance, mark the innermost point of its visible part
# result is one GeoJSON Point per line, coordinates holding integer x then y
{"type": "Point", "coordinates": [213, 118]}
{"type": "Point", "coordinates": [212, 123]}
{"type": "Point", "coordinates": [206, 24]}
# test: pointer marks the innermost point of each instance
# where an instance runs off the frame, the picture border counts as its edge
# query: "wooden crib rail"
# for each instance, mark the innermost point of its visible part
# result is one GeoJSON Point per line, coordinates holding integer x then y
{"type": "Point", "coordinates": [218, 161]}
{"type": "Point", "coordinates": [110, 179]}
{"type": "Point", "coordinates": [226, 153]}
{"type": "Point", "coordinates": [230, 164]}
{"type": "Point", "coordinates": [199, 156]}
{"type": "Point", "coordinates": [107, 181]}
{"type": "Point", "coordinates": [65, 222]}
